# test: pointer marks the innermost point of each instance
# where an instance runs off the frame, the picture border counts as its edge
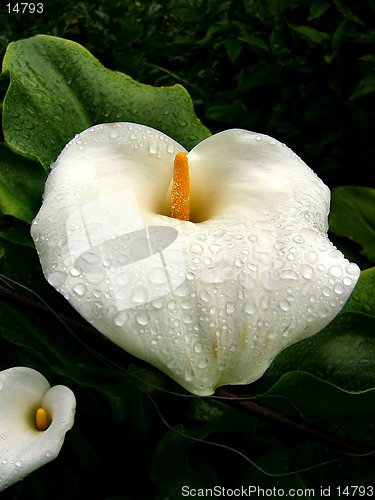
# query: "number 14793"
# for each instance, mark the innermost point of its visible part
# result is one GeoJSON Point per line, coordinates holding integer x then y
{"type": "Point", "coordinates": [25, 8]}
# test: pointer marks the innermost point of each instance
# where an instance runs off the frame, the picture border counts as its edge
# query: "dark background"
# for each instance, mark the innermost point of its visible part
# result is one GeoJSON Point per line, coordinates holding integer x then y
{"type": "Point", "coordinates": [297, 70]}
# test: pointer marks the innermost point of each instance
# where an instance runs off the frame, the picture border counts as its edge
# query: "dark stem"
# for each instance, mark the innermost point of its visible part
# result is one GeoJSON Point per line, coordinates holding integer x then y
{"type": "Point", "coordinates": [88, 333]}
{"type": "Point", "coordinates": [339, 443]}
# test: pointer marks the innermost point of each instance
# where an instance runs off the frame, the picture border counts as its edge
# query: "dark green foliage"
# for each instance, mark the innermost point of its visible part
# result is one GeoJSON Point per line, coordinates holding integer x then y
{"type": "Point", "coordinates": [301, 71]}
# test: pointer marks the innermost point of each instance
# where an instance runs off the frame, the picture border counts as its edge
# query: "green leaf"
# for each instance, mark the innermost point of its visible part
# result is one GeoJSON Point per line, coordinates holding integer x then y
{"type": "Point", "coordinates": [173, 467]}
{"type": "Point", "coordinates": [21, 185]}
{"type": "Point", "coordinates": [312, 35]}
{"type": "Point", "coordinates": [353, 216]}
{"type": "Point", "coordinates": [364, 87]}
{"type": "Point", "coordinates": [233, 48]}
{"type": "Point", "coordinates": [57, 89]}
{"type": "Point", "coordinates": [319, 401]}
{"type": "Point", "coordinates": [253, 41]}
{"type": "Point", "coordinates": [18, 233]}
{"type": "Point", "coordinates": [347, 13]}
{"type": "Point", "coordinates": [363, 298]}
{"type": "Point", "coordinates": [317, 9]}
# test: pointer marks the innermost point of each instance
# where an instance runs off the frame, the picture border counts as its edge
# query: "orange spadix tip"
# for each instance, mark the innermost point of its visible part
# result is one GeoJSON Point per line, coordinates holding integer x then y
{"type": "Point", "coordinates": [41, 419]}
{"type": "Point", "coordinates": [180, 193]}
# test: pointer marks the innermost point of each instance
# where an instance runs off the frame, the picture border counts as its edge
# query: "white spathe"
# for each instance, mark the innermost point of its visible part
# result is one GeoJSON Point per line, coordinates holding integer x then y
{"type": "Point", "coordinates": [209, 301]}
{"type": "Point", "coordinates": [23, 448]}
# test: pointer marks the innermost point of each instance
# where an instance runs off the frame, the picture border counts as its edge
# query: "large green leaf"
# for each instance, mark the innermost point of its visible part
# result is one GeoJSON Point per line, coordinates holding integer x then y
{"type": "Point", "coordinates": [353, 216]}
{"type": "Point", "coordinates": [57, 89]}
{"type": "Point", "coordinates": [21, 185]}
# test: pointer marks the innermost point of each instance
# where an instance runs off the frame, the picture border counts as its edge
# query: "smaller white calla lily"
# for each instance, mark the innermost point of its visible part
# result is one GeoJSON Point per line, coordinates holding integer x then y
{"type": "Point", "coordinates": [204, 263]}
{"type": "Point", "coordinates": [33, 421]}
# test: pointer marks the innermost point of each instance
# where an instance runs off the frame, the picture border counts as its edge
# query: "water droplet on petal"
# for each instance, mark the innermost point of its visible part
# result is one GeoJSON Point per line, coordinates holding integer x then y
{"type": "Point", "coordinates": [142, 318]}
{"type": "Point", "coordinates": [335, 271]}
{"type": "Point", "coordinates": [347, 281]}
{"type": "Point", "coordinates": [121, 318]}
{"type": "Point", "coordinates": [188, 374]}
{"type": "Point", "coordinates": [288, 274]}
{"type": "Point", "coordinates": [298, 239]}
{"type": "Point", "coordinates": [250, 307]}
{"type": "Point", "coordinates": [80, 289]}
{"type": "Point", "coordinates": [284, 305]}
{"type": "Point", "coordinates": [113, 134]}
{"type": "Point", "coordinates": [352, 268]}
{"type": "Point", "coordinates": [338, 289]}
{"type": "Point", "coordinates": [311, 256]}
{"type": "Point", "coordinates": [76, 271]}
{"type": "Point", "coordinates": [307, 271]}
{"type": "Point", "coordinates": [187, 318]}
{"type": "Point", "coordinates": [57, 278]}
{"type": "Point", "coordinates": [230, 308]}
{"type": "Point", "coordinates": [198, 347]}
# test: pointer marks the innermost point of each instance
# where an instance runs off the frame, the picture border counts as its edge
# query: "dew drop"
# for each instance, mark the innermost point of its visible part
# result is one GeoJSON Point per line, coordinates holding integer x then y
{"type": "Point", "coordinates": [196, 248]}
{"type": "Point", "coordinates": [347, 281]}
{"type": "Point", "coordinates": [76, 271]}
{"type": "Point", "coordinates": [288, 274]}
{"type": "Point", "coordinates": [187, 318]}
{"type": "Point", "coordinates": [335, 271]}
{"type": "Point", "coordinates": [298, 239]}
{"type": "Point", "coordinates": [230, 308]}
{"type": "Point", "coordinates": [121, 318]}
{"type": "Point", "coordinates": [238, 262]}
{"type": "Point", "coordinates": [352, 268]}
{"type": "Point", "coordinates": [338, 289]}
{"type": "Point", "coordinates": [205, 296]}
{"type": "Point", "coordinates": [90, 257]}
{"type": "Point", "coordinates": [152, 147]}
{"type": "Point", "coordinates": [311, 256]}
{"type": "Point", "coordinates": [198, 347]}
{"type": "Point", "coordinates": [142, 318]}
{"type": "Point", "coordinates": [250, 307]}
{"type": "Point", "coordinates": [279, 245]}
{"type": "Point", "coordinates": [215, 248]}
{"type": "Point", "coordinates": [284, 305]}
{"type": "Point", "coordinates": [57, 278]}
{"type": "Point", "coordinates": [188, 374]}
{"type": "Point", "coordinates": [307, 271]}
{"type": "Point", "coordinates": [158, 303]}
{"type": "Point", "coordinates": [79, 289]}
{"type": "Point", "coordinates": [171, 305]}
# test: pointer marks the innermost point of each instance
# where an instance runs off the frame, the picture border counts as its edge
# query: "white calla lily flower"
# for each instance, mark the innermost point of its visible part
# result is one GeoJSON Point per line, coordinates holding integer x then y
{"type": "Point", "coordinates": [212, 299]}
{"type": "Point", "coordinates": [33, 421]}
